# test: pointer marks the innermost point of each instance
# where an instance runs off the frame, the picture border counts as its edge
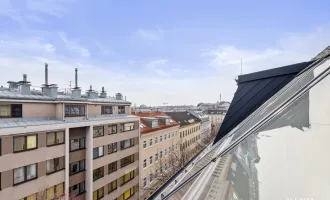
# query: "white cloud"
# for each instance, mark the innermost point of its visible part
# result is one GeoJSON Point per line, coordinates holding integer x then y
{"type": "Point", "coordinates": [55, 8]}
{"type": "Point", "coordinates": [158, 66]}
{"type": "Point", "coordinates": [74, 45]}
{"type": "Point", "coordinates": [151, 34]}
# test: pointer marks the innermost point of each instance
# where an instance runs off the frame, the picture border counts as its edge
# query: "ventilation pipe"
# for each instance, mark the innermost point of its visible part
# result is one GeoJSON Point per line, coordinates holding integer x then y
{"type": "Point", "coordinates": [76, 92]}
{"type": "Point", "coordinates": [103, 93]}
{"type": "Point", "coordinates": [49, 89]}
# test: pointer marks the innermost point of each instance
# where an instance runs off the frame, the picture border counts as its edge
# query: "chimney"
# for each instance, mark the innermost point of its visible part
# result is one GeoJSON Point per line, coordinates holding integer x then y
{"type": "Point", "coordinates": [125, 98]}
{"type": "Point", "coordinates": [24, 86]}
{"type": "Point", "coordinates": [119, 96]}
{"type": "Point", "coordinates": [91, 93]}
{"type": "Point", "coordinates": [76, 92]}
{"type": "Point", "coordinates": [49, 90]}
{"type": "Point", "coordinates": [103, 93]}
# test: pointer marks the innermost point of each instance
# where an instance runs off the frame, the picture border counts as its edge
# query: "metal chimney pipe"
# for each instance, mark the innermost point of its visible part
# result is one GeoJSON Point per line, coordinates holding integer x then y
{"type": "Point", "coordinates": [46, 74]}
{"type": "Point", "coordinates": [24, 77]}
{"type": "Point", "coordinates": [76, 78]}
{"type": "Point", "coordinates": [90, 87]}
{"type": "Point", "coordinates": [102, 89]}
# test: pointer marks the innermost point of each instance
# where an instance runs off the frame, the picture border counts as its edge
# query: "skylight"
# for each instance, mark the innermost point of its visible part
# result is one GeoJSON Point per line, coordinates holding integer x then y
{"type": "Point", "coordinates": [142, 126]}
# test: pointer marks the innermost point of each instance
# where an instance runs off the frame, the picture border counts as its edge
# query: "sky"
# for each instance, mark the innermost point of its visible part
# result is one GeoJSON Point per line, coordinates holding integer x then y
{"type": "Point", "coordinates": [155, 52]}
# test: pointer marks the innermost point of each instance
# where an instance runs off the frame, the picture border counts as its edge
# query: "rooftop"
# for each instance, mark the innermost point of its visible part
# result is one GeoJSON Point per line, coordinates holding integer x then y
{"type": "Point", "coordinates": [183, 118]}
{"type": "Point", "coordinates": [146, 128]}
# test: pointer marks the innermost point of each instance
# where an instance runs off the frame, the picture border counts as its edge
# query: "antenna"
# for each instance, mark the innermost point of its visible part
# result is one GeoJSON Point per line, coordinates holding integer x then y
{"type": "Point", "coordinates": [46, 74]}
{"type": "Point", "coordinates": [241, 66]}
{"type": "Point", "coordinates": [76, 78]}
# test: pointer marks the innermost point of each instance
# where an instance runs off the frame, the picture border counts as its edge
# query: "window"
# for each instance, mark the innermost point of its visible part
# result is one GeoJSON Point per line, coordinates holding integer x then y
{"type": "Point", "coordinates": [127, 143]}
{"type": "Point", "coordinates": [77, 167]}
{"type": "Point", "coordinates": [77, 144]}
{"type": "Point", "coordinates": [176, 146]}
{"type": "Point", "coordinates": [77, 189]}
{"type": "Point", "coordinates": [13, 110]}
{"type": "Point", "coordinates": [98, 173]}
{"type": "Point", "coordinates": [144, 182]}
{"type": "Point", "coordinates": [127, 160]}
{"type": "Point", "coordinates": [112, 167]}
{"type": "Point", "coordinates": [26, 173]}
{"type": "Point", "coordinates": [74, 110]}
{"type": "Point", "coordinates": [126, 178]}
{"type": "Point", "coordinates": [169, 150]}
{"type": "Point", "coordinates": [121, 109]}
{"type": "Point", "coordinates": [150, 160]}
{"type": "Point", "coordinates": [112, 186]}
{"type": "Point", "coordinates": [150, 142]}
{"type": "Point", "coordinates": [169, 135]}
{"type": "Point", "coordinates": [165, 137]}
{"type": "Point", "coordinates": [98, 131]}
{"type": "Point", "coordinates": [161, 154]}
{"type": "Point", "coordinates": [173, 134]}
{"type": "Point", "coordinates": [160, 138]}
{"type": "Point", "coordinates": [156, 157]}
{"type": "Point", "coordinates": [156, 140]}
{"type": "Point", "coordinates": [127, 194]}
{"type": "Point", "coordinates": [55, 191]}
{"type": "Point", "coordinates": [106, 110]}
{"type": "Point", "coordinates": [98, 152]}
{"type": "Point", "coordinates": [165, 152]}
{"type": "Point", "coordinates": [150, 178]}
{"type": "Point", "coordinates": [112, 148]}
{"type": "Point", "coordinates": [55, 165]}
{"type": "Point", "coordinates": [112, 129]}
{"type": "Point", "coordinates": [31, 197]}
{"type": "Point", "coordinates": [23, 143]}
{"type": "Point", "coordinates": [127, 127]}
{"type": "Point", "coordinates": [55, 138]}
{"type": "Point", "coordinates": [180, 134]}
{"type": "Point", "coordinates": [98, 194]}
{"type": "Point", "coordinates": [144, 144]}
{"type": "Point", "coordinates": [144, 163]}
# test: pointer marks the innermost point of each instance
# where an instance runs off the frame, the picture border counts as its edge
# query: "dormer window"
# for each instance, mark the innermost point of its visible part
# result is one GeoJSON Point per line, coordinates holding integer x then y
{"type": "Point", "coordinates": [154, 123]}
{"type": "Point", "coordinates": [142, 126]}
{"type": "Point", "coordinates": [168, 122]}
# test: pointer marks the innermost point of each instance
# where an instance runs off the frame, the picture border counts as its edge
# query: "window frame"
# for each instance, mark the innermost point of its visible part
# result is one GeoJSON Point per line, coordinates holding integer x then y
{"type": "Point", "coordinates": [101, 174]}
{"type": "Point", "coordinates": [150, 142]}
{"type": "Point", "coordinates": [124, 164]}
{"type": "Point", "coordinates": [131, 193]}
{"type": "Point", "coordinates": [55, 133]}
{"type": "Point", "coordinates": [122, 127]}
{"type": "Point", "coordinates": [97, 128]}
{"type": "Point", "coordinates": [110, 185]}
{"type": "Point", "coordinates": [150, 160]}
{"type": "Point", "coordinates": [114, 150]}
{"type": "Point", "coordinates": [144, 144]}
{"type": "Point", "coordinates": [132, 144]}
{"type": "Point", "coordinates": [103, 109]}
{"type": "Point", "coordinates": [115, 169]}
{"type": "Point", "coordinates": [25, 174]}
{"type": "Point", "coordinates": [120, 109]}
{"type": "Point", "coordinates": [25, 143]}
{"type": "Point", "coordinates": [97, 193]}
{"type": "Point", "coordinates": [73, 105]}
{"type": "Point", "coordinates": [98, 151]}
{"type": "Point", "coordinates": [123, 180]}
{"type": "Point", "coordinates": [110, 127]}
{"type": "Point", "coordinates": [145, 163]}
{"type": "Point", "coordinates": [56, 170]}
{"type": "Point", "coordinates": [79, 165]}
{"type": "Point", "coordinates": [78, 187]}
{"type": "Point", "coordinates": [80, 148]}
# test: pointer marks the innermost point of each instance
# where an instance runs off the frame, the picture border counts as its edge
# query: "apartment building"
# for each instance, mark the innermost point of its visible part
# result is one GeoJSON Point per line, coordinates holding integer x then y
{"type": "Point", "coordinates": [189, 131]}
{"type": "Point", "coordinates": [159, 140]}
{"type": "Point", "coordinates": [216, 116]}
{"type": "Point", "coordinates": [205, 129]}
{"type": "Point", "coordinates": [60, 145]}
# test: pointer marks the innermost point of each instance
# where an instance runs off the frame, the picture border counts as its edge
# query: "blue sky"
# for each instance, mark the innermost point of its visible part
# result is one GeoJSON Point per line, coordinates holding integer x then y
{"type": "Point", "coordinates": [178, 52]}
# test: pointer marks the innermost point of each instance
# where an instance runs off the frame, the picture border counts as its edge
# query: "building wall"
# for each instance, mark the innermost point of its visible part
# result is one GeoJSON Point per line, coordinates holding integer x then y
{"type": "Point", "coordinates": [10, 160]}
{"type": "Point", "coordinates": [205, 129]}
{"type": "Point", "coordinates": [190, 138]}
{"type": "Point", "coordinates": [216, 119]}
{"type": "Point", "coordinates": [151, 150]}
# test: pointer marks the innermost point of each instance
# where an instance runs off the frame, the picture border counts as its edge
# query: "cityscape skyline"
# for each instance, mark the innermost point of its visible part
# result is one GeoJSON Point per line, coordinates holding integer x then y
{"type": "Point", "coordinates": [155, 51]}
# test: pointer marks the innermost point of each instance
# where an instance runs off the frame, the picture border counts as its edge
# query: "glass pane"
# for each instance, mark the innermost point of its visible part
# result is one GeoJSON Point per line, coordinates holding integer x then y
{"type": "Point", "coordinates": [82, 186]}
{"type": "Point", "coordinates": [100, 151]}
{"type": "Point", "coordinates": [31, 171]}
{"type": "Point", "coordinates": [50, 165]}
{"type": "Point", "coordinates": [19, 143]}
{"type": "Point", "coordinates": [18, 175]}
{"type": "Point", "coordinates": [31, 141]}
{"type": "Point", "coordinates": [50, 193]}
{"type": "Point", "coordinates": [59, 190]}
{"type": "Point", "coordinates": [60, 137]}
{"type": "Point", "coordinates": [82, 143]}
{"type": "Point", "coordinates": [95, 195]}
{"type": "Point", "coordinates": [50, 138]}
{"type": "Point", "coordinates": [32, 197]}
{"type": "Point", "coordinates": [4, 110]}
{"type": "Point", "coordinates": [74, 144]}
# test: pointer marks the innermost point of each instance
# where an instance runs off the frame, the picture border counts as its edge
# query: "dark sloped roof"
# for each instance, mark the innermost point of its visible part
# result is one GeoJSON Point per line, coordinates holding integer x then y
{"type": "Point", "coordinates": [253, 90]}
{"type": "Point", "coordinates": [183, 118]}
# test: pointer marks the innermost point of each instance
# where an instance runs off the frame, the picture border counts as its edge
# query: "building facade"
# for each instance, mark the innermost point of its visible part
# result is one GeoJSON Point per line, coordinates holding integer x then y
{"type": "Point", "coordinates": [205, 124]}
{"type": "Point", "coordinates": [189, 133]}
{"type": "Point", "coordinates": [159, 141]}
{"type": "Point", "coordinates": [67, 145]}
{"type": "Point", "coordinates": [216, 116]}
